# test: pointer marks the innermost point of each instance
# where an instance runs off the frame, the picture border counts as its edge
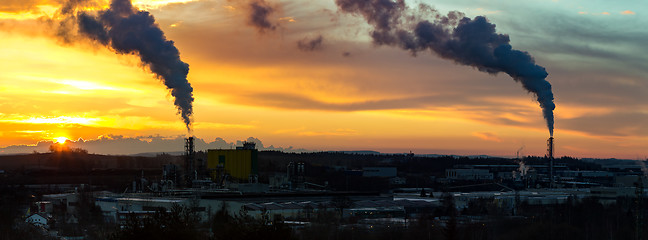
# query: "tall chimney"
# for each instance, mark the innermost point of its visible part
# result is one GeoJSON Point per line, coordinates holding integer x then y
{"type": "Point", "coordinates": [189, 160]}
{"type": "Point", "coordinates": [550, 155]}
{"type": "Point", "coordinates": [550, 148]}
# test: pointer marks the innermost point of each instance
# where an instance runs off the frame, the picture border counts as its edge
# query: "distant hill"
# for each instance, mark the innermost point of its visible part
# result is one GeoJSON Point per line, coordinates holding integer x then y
{"type": "Point", "coordinates": [364, 152]}
{"type": "Point", "coordinates": [83, 161]}
{"type": "Point", "coordinates": [154, 154]}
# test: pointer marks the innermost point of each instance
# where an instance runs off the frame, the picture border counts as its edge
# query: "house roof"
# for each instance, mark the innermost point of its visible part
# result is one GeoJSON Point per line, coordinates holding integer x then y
{"type": "Point", "coordinates": [38, 215]}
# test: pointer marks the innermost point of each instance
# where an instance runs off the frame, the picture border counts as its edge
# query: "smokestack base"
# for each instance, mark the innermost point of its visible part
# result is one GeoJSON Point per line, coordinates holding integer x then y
{"type": "Point", "coordinates": [550, 147]}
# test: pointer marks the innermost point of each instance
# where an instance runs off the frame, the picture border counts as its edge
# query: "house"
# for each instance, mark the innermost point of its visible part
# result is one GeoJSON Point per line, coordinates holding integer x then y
{"type": "Point", "coordinates": [39, 220]}
{"type": "Point", "coordinates": [65, 201]}
{"type": "Point", "coordinates": [44, 207]}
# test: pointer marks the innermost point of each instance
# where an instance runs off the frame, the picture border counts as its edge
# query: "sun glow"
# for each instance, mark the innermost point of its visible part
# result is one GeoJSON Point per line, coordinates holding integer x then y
{"type": "Point", "coordinates": [61, 140]}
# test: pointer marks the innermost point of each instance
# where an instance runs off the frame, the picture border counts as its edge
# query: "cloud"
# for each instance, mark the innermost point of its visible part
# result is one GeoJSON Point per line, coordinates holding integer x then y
{"type": "Point", "coordinates": [336, 132]}
{"type": "Point", "coordinates": [616, 123]}
{"type": "Point", "coordinates": [488, 136]}
{"type": "Point", "coordinates": [259, 15]}
{"type": "Point", "coordinates": [18, 6]}
{"type": "Point", "coordinates": [37, 6]}
{"type": "Point", "coordinates": [628, 12]}
{"type": "Point", "coordinates": [309, 45]}
{"type": "Point", "coordinates": [609, 44]}
{"type": "Point", "coordinates": [299, 102]}
{"type": "Point", "coordinates": [288, 19]}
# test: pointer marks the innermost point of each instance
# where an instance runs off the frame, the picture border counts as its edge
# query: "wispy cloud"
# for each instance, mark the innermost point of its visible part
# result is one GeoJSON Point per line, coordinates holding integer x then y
{"type": "Point", "coordinates": [612, 124]}
{"type": "Point", "coordinates": [628, 12]}
{"type": "Point", "coordinates": [154, 4]}
{"type": "Point", "coordinates": [488, 136]}
{"type": "Point", "coordinates": [215, 125]}
{"type": "Point", "coordinates": [288, 19]}
{"type": "Point", "coordinates": [30, 131]}
{"type": "Point", "coordinates": [336, 132]}
{"type": "Point", "coordinates": [51, 120]}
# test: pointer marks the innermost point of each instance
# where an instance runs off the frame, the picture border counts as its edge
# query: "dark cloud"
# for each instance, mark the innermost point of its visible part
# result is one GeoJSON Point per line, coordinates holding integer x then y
{"type": "Point", "coordinates": [259, 16]}
{"type": "Point", "coordinates": [70, 6]}
{"type": "Point", "coordinates": [308, 45]}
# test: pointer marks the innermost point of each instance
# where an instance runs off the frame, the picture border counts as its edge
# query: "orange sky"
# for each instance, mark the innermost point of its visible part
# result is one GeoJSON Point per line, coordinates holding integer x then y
{"type": "Point", "coordinates": [346, 95]}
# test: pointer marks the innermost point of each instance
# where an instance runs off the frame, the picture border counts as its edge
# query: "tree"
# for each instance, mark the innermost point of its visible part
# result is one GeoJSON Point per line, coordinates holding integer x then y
{"type": "Point", "coordinates": [340, 203]}
{"type": "Point", "coordinates": [450, 210]}
{"type": "Point", "coordinates": [245, 227]}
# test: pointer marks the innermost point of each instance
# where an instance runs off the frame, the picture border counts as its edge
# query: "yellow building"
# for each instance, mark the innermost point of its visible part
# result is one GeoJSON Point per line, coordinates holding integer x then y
{"type": "Point", "coordinates": [238, 163]}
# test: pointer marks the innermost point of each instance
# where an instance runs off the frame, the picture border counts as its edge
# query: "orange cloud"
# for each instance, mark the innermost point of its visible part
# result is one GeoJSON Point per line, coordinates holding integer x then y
{"type": "Point", "coordinates": [628, 12]}
{"type": "Point", "coordinates": [488, 136]}
{"type": "Point", "coordinates": [287, 19]}
{"type": "Point", "coordinates": [337, 132]}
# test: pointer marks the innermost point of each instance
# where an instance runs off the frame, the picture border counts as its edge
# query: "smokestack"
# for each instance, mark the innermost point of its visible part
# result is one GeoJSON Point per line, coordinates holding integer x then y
{"type": "Point", "coordinates": [550, 155]}
{"type": "Point", "coordinates": [550, 148]}
{"type": "Point", "coordinates": [190, 154]}
{"type": "Point", "coordinates": [127, 30]}
{"type": "Point", "coordinates": [471, 42]}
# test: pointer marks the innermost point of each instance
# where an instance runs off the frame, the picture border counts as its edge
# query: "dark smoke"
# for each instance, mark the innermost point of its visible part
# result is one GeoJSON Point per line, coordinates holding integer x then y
{"type": "Point", "coordinates": [260, 11]}
{"type": "Point", "coordinates": [473, 42]}
{"type": "Point", "coordinates": [307, 45]}
{"type": "Point", "coordinates": [127, 30]}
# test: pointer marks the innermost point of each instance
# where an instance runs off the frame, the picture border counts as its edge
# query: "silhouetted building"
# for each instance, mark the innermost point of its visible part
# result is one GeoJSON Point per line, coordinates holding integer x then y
{"type": "Point", "coordinates": [379, 172]}
{"type": "Point", "coordinates": [240, 163]}
{"type": "Point", "coordinates": [469, 174]}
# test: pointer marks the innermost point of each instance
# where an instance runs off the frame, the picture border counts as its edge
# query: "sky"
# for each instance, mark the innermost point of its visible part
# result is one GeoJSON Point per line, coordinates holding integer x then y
{"type": "Point", "coordinates": [304, 74]}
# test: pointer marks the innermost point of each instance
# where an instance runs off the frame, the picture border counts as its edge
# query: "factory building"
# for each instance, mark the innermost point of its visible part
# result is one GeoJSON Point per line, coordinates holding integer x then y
{"type": "Point", "coordinates": [118, 208]}
{"type": "Point", "coordinates": [469, 174]}
{"type": "Point", "coordinates": [240, 163]}
{"type": "Point", "coordinates": [388, 172]}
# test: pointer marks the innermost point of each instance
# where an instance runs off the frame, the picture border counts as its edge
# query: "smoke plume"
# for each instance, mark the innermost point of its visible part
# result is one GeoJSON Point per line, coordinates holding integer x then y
{"type": "Point", "coordinates": [308, 45]}
{"type": "Point", "coordinates": [127, 30]}
{"type": "Point", "coordinates": [472, 42]}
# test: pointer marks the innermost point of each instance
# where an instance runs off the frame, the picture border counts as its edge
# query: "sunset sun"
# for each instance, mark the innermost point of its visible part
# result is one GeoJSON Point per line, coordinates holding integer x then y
{"type": "Point", "coordinates": [61, 139]}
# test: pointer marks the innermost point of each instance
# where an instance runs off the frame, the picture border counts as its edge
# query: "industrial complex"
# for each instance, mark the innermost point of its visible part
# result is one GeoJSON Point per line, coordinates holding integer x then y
{"type": "Point", "coordinates": [361, 190]}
